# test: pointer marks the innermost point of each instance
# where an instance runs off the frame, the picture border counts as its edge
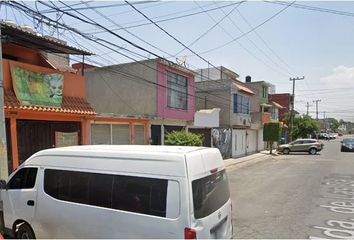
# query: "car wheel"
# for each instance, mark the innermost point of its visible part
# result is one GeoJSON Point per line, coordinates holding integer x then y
{"type": "Point", "coordinates": [313, 151]}
{"type": "Point", "coordinates": [25, 232]}
{"type": "Point", "coordinates": [286, 151]}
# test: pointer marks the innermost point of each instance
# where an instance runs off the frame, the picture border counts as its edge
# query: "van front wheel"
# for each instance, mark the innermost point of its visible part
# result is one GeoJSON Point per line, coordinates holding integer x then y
{"type": "Point", "coordinates": [25, 232]}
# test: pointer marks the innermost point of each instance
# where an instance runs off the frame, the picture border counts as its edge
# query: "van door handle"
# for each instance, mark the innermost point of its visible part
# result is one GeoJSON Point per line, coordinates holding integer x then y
{"type": "Point", "coordinates": [30, 203]}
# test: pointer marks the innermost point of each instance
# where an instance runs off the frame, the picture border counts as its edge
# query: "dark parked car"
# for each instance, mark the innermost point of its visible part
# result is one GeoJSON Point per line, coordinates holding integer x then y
{"type": "Point", "coordinates": [347, 145]}
{"type": "Point", "coordinates": [324, 136]}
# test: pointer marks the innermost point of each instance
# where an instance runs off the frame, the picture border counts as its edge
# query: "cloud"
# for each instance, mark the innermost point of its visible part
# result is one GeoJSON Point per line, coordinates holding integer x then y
{"type": "Point", "coordinates": [341, 76]}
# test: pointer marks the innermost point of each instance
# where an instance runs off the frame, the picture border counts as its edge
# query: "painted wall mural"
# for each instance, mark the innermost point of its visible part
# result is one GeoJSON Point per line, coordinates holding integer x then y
{"type": "Point", "coordinates": [33, 88]}
{"type": "Point", "coordinates": [222, 139]}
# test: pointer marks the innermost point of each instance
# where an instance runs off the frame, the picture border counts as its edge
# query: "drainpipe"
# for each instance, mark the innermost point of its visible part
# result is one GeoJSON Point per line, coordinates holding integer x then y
{"type": "Point", "coordinates": [3, 145]}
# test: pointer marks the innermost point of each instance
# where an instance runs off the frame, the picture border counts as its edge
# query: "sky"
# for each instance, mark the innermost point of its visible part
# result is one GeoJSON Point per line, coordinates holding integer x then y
{"type": "Point", "coordinates": [295, 42]}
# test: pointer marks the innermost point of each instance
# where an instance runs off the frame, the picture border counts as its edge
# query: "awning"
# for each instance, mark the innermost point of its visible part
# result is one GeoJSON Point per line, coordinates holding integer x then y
{"type": "Point", "coordinates": [72, 105]}
{"type": "Point", "coordinates": [277, 105]}
{"type": "Point", "coordinates": [283, 125]}
{"type": "Point", "coordinates": [243, 88]}
{"type": "Point", "coordinates": [265, 105]}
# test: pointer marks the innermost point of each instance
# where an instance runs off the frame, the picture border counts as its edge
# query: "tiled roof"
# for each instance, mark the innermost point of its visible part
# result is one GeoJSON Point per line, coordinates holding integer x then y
{"type": "Point", "coordinates": [72, 105]}
{"type": "Point", "coordinates": [28, 38]}
{"type": "Point", "coordinates": [243, 88]}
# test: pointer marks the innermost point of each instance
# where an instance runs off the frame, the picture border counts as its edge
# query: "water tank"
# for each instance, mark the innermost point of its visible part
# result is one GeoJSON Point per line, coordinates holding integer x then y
{"type": "Point", "coordinates": [248, 79]}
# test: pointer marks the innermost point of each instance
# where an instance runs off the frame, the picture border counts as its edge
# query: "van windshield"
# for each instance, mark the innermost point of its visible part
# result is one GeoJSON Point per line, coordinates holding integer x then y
{"type": "Point", "coordinates": [210, 193]}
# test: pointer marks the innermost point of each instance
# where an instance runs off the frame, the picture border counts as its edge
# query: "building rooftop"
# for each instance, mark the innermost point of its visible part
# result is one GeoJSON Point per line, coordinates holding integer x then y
{"type": "Point", "coordinates": [26, 37]}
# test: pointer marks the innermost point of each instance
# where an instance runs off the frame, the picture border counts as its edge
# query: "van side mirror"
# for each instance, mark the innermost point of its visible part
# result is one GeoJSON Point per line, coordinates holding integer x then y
{"type": "Point", "coordinates": [3, 184]}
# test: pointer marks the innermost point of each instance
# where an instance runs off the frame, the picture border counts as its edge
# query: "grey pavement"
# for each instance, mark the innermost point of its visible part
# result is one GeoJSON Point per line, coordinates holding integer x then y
{"type": "Point", "coordinates": [294, 196]}
{"type": "Point", "coordinates": [252, 158]}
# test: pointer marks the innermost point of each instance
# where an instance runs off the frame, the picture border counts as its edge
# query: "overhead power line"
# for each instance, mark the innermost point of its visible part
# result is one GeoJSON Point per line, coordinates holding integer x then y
{"type": "Point", "coordinates": [285, 73]}
{"type": "Point", "coordinates": [118, 13]}
{"type": "Point", "coordinates": [128, 42]}
{"type": "Point", "coordinates": [265, 43]}
{"type": "Point", "coordinates": [136, 36]}
{"type": "Point", "coordinates": [42, 17]}
{"type": "Point", "coordinates": [172, 18]}
{"type": "Point", "coordinates": [238, 42]}
{"type": "Point", "coordinates": [97, 7]}
{"type": "Point", "coordinates": [210, 29]}
{"type": "Point", "coordinates": [171, 36]}
{"type": "Point", "coordinates": [313, 8]}
{"type": "Point", "coordinates": [251, 30]}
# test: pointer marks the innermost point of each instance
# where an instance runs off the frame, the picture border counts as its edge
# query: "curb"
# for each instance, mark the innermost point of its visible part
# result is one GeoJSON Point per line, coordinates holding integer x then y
{"type": "Point", "coordinates": [257, 156]}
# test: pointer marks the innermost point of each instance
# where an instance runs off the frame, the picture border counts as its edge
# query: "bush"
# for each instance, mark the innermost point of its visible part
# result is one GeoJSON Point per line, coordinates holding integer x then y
{"type": "Point", "coordinates": [183, 138]}
{"type": "Point", "coordinates": [271, 133]}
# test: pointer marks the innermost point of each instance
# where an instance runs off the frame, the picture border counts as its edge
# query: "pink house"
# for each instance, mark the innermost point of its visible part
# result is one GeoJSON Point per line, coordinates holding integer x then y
{"type": "Point", "coordinates": [158, 90]}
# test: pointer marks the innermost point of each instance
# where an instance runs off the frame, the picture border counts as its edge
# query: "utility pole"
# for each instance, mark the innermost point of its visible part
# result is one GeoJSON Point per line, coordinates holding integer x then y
{"type": "Point", "coordinates": [307, 107]}
{"type": "Point", "coordinates": [3, 146]}
{"type": "Point", "coordinates": [316, 101]}
{"type": "Point", "coordinates": [292, 105]}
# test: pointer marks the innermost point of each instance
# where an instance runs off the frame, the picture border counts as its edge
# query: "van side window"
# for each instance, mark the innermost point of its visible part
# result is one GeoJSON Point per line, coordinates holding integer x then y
{"type": "Point", "coordinates": [210, 193]}
{"type": "Point", "coordinates": [141, 195]}
{"type": "Point", "coordinates": [127, 193]}
{"type": "Point", "coordinates": [25, 178]}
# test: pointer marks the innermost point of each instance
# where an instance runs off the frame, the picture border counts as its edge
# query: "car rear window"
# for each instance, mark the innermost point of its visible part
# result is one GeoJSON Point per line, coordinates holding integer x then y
{"type": "Point", "coordinates": [348, 140]}
{"type": "Point", "coordinates": [210, 193]}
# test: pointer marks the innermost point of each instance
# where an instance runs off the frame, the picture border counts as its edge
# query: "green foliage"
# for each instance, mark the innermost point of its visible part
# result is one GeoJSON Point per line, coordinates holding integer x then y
{"type": "Point", "coordinates": [271, 132]}
{"type": "Point", "coordinates": [333, 123]}
{"type": "Point", "coordinates": [183, 138]}
{"type": "Point", "coordinates": [304, 126]}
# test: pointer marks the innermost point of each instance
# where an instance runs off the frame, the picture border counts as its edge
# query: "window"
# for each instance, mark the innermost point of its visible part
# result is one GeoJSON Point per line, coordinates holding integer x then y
{"type": "Point", "coordinates": [139, 134]}
{"type": "Point", "coordinates": [264, 92]}
{"type": "Point", "coordinates": [241, 104]}
{"type": "Point", "coordinates": [127, 193]}
{"type": "Point", "coordinates": [25, 178]}
{"type": "Point", "coordinates": [210, 193]}
{"type": "Point", "coordinates": [120, 134]}
{"type": "Point", "coordinates": [100, 134]}
{"type": "Point", "coordinates": [177, 91]}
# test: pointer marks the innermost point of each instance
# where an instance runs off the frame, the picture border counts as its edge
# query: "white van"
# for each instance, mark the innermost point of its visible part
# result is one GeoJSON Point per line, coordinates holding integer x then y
{"type": "Point", "coordinates": [108, 191]}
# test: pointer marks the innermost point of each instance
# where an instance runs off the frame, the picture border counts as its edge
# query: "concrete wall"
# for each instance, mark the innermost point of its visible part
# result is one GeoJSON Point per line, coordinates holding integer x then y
{"type": "Point", "coordinates": [213, 73]}
{"type": "Point", "coordinates": [216, 93]}
{"type": "Point", "coordinates": [260, 140]}
{"type": "Point", "coordinates": [207, 118]}
{"type": "Point", "coordinates": [114, 90]}
{"type": "Point", "coordinates": [257, 88]}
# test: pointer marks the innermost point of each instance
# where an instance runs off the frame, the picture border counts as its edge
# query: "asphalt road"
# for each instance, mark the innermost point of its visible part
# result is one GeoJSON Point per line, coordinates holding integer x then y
{"type": "Point", "coordinates": [295, 196]}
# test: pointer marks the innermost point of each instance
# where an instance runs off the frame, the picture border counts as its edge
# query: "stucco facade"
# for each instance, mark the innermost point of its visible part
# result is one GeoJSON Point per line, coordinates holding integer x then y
{"type": "Point", "coordinates": [141, 90]}
{"type": "Point", "coordinates": [123, 89]}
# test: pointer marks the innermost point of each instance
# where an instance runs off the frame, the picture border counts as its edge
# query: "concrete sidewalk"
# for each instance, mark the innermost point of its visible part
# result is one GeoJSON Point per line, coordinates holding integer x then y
{"type": "Point", "coordinates": [263, 155]}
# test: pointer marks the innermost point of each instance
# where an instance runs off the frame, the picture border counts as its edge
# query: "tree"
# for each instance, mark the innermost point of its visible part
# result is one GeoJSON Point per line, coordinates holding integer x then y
{"type": "Point", "coordinates": [271, 133]}
{"type": "Point", "coordinates": [303, 126]}
{"type": "Point", "coordinates": [333, 123]}
{"type": "Point", "coordinates": [183, 138]}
